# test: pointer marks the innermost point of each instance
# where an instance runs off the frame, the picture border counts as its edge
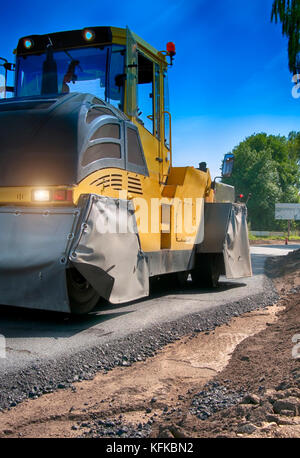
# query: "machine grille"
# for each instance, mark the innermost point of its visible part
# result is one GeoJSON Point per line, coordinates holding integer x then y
{"type": "Point", "coordinates": [113, 180]}
{"type": "Point", "coordinates": [95, 112]}
{"type": "Point", "coordinates": [134, 185]}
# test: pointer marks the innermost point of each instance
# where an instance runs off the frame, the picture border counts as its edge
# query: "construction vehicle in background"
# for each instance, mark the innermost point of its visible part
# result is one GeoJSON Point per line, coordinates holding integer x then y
{"type": "Point", "coordinates": [90, 203]}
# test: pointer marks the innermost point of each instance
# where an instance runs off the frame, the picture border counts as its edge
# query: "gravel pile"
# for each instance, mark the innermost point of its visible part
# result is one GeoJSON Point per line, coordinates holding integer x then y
{"type": "Point", "coordinates": [114, 428]}
{"type": "Point", "coordinates": [274, 267]}
{"type": "Point", "coordinates": [46, 377]}
{"type": "Point", "coordinates": [212, 398]}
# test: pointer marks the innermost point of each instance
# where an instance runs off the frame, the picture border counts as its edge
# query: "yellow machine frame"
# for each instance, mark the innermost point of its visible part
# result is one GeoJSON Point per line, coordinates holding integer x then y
{"type": "Point", "coordinates": [164, 186]}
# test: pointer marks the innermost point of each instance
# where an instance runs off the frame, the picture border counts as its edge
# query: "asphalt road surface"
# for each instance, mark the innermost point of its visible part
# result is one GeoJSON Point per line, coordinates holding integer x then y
{"type": "Point", "coordinates": [32, 337]}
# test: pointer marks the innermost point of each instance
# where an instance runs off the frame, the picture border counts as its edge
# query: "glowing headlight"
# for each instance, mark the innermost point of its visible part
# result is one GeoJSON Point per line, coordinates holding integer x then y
{"type": "Point", "coordinates": [41, 195]}
{"type": "Point", "coordinates": [28, 43]}
{"type": "Point", "coordinates": [88, 35]}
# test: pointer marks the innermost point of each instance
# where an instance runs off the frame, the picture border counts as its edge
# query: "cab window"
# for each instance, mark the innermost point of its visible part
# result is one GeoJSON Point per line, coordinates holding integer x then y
{"type": "Point", "coordinates": [145, 92]}
{"type": "Point", "coordinates": [95, 70]}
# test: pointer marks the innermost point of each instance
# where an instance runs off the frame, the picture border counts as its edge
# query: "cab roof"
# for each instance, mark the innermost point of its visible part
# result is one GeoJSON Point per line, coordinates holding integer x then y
{"type": "Point", "coordinates": [75, 39]}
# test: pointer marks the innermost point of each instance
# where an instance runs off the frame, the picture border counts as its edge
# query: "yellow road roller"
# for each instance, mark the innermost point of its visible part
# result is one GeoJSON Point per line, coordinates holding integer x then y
{"type": "Point", "coordinates": [90, 204]}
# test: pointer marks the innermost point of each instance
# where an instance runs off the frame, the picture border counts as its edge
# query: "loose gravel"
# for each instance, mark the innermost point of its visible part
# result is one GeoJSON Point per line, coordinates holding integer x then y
{"type": "Point", "coordinates": [46, 377]}
{"type": "Point", "coordinates": [114, 428]}
{"type": "Point", "coordinates": [213, 398]}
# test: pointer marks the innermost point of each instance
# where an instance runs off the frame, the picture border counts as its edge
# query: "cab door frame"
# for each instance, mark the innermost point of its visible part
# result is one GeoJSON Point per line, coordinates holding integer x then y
{"type": "Point", "coordinates": [159, 159]}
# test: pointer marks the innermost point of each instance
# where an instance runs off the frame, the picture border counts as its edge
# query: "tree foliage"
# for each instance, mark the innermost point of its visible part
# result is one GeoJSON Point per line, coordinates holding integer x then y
{"type": "Point", "coordinates": [294, 144]}
{"type": "Point", "coordinates": [288, 13]}
{"type": "Point", "coordinates": [267, 168]}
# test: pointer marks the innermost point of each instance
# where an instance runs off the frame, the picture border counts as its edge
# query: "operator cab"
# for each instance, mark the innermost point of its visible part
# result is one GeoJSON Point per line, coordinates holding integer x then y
{"type": "Point", "coordinates": [79, 61]}
{"type": "Point", "coordinates": [114, 65]}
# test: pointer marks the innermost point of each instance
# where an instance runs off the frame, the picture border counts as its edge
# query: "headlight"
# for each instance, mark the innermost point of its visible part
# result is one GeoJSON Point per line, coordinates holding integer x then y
{"type": "Point", "coordinates": [41, 195]}
{"type": "Point", "coordinates": [88, 35]}
{"type": "Point", "coordinates": [28, 43]}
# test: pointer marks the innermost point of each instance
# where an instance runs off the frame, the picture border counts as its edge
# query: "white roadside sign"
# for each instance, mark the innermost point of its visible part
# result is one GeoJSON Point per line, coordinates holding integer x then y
{"type": "Point", "coordinates": [287, 211]}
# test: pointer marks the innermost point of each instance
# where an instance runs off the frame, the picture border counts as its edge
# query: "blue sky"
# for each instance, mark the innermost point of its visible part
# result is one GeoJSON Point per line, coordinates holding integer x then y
{"type": "Point", "coordinates": [230, 76]}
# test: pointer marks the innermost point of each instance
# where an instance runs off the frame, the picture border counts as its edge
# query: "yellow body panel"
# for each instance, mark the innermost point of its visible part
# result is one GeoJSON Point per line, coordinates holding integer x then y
{"type": "Point", "coordinates": [188, 188]}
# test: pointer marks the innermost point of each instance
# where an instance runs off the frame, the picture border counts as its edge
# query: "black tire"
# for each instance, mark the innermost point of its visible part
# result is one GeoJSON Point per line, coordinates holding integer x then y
{"type": "Point", "coordinates": [82, 296]}
{"type": "Point", "coordinates": [207, 272]}
{"type": "Point", "coordinates": [176, 280]}
{"type": "Point", "coordinates": [181, 279]}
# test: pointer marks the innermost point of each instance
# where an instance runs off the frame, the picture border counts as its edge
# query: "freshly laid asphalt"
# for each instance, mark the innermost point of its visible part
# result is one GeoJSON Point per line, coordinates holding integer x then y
{"type": "Point", "coordinates": [45, 351]}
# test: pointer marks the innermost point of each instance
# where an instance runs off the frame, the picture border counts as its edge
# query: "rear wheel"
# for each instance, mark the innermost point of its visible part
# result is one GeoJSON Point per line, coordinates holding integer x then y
{"type": "Point", "coordinates": [181, 278]}
{"type": "Point", "coordinates": [207, 272]}
{"type": "Point", "coordinates": [82, 296]}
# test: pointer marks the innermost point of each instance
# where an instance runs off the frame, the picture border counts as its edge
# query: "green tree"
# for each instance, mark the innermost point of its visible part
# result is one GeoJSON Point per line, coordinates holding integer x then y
{"type": "Point", "coordinates": [266, 167]}
{"type": "Point", "coordinates": [294, 145]}
{"type": "Point", "coordinates": [288, 13]}
{"type": "Point", "coordinates": [285, 158]}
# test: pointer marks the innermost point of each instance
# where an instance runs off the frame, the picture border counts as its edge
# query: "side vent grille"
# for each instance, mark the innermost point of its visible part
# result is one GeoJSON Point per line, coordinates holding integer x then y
{"type": "Point", "coordinates": [102, 181]}
{"type": "Point", "coordinates": [113, 180]}
{"type": "Point", "coordinates": [134, 185]}
{"type": "Point", "coordinates": [116, 181]}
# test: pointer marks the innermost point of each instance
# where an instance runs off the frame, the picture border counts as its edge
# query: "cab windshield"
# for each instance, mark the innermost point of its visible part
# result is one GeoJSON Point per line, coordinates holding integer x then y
{"type": "Point", "coordinates": [95, 70]}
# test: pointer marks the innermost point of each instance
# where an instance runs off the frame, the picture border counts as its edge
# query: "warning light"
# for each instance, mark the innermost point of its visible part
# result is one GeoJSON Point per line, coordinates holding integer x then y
{"type": "Point", "coordinates": [241, 196]}
{"type": "Point", "coordinates": [88, 35]}
{"type": "Point", "coordinates": [63, 195]}
{"type": "Point", "coordinates": [60, 195]}
{"type": "Point", "coordinates": [28, 43]}
{"type": "Point", "coordinates": [171, 49]}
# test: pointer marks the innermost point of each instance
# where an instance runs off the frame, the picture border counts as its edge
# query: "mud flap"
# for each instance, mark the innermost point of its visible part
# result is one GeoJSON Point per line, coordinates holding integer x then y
{"type": "Point", "coordinates": [34, 249]}
{"type": "Point", "coordinates": [226, 232]}
{"type": "Point", "coordinates": [107, 249]}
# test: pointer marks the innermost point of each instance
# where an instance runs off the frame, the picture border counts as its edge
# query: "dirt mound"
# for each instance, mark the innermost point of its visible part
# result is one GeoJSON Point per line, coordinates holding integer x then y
{"type": "Point", "coordinates": [284, 265]}
{"type": "Point", "coordinates": [258, 392]}
{"type": "Point", "coordinates": [285, 271]}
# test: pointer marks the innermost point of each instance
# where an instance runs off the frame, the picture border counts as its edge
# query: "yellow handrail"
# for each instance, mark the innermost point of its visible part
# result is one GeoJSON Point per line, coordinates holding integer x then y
{"type": "Point", "coordinates": [170, 135]}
